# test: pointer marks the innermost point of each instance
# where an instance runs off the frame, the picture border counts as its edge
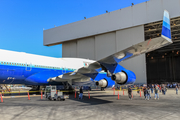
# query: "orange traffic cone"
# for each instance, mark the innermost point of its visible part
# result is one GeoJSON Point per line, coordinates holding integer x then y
{"type": "Point", "coordinates": [88, 94]}
{"type": "Point", "coordinates": [28, 96]}
{"type": "Point", "coordinates": [75, 94]}
{"type": "Point", "coordinates": [1, 97]}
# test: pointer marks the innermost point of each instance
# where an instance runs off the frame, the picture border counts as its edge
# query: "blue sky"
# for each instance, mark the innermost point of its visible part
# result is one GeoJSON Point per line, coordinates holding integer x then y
{"type": "Point", "coordinates": [22, 21]}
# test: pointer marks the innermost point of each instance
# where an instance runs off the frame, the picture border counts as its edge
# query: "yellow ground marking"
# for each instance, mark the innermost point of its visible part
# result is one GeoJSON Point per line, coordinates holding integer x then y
{"type": "Point", "coordinates": [20, 96]}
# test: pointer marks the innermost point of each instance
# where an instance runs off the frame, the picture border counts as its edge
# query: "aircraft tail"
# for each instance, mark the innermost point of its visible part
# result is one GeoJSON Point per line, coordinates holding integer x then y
{"type": "Point", "coordinates": [166, 27]}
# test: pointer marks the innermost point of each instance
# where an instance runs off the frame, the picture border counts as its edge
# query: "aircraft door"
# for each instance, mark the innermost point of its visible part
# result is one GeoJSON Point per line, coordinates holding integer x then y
{"type": "Point", "coordinates": [28, 67]}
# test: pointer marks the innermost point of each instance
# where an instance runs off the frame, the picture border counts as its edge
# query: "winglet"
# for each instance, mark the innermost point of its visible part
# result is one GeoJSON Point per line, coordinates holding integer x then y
{"type": "Point", "coordinates": [166, 27]}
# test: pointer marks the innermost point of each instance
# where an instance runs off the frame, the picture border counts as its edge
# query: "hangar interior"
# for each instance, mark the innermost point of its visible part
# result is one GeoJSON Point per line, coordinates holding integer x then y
{"type": "Point", "coordinates": [163, 65]}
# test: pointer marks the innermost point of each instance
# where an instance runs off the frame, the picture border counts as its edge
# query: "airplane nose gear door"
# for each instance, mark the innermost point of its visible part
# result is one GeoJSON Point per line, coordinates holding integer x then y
{"type": "Point", "coordinates": [28, 66]}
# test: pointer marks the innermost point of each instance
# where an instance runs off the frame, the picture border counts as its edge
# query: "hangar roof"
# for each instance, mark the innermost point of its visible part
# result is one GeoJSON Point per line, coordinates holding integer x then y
{"type": "Point", "coordinates": [147, 12]}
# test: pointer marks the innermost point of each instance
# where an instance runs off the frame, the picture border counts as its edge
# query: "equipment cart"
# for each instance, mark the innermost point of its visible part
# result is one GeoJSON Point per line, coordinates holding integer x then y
{"type": "Point", "coordinates": [51, 94]}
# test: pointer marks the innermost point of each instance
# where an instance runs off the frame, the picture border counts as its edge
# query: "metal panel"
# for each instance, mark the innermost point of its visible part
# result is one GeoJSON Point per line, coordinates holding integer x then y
{"type": "Point", "coordinates": [154, 11]}
{"type": "Point", "coordinates": [69, 49]}
{"type": "Point", "coordinates": [85, 48]}
{"type": "Point", "coordinates": [150, 11]}
{"type": "Point", "coordinates": [126, 38]}
{"type": "Point", "coordinates": [105, 45]}
{"type": "Point", "coordinates": [167, 4]}
{"type": "Point", "coordinates": [139, 10]}
{"type": "Point", "coordinates": [138, 66]}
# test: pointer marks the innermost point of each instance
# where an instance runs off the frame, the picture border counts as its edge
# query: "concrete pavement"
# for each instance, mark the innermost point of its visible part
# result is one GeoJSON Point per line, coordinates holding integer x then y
{"type": "Point", "coordinates": [102, 106]}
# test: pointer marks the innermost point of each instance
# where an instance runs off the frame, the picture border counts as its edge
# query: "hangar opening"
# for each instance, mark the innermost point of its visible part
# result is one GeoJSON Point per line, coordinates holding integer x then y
{"type": "Point", "coordinates": [163, 65]}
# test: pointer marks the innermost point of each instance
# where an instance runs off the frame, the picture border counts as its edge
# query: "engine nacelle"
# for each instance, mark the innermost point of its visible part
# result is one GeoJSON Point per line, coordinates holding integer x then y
{"type": "Point", "coordinates": [120, 77]}
{"type": "Point", "coordinates": [102, 83]}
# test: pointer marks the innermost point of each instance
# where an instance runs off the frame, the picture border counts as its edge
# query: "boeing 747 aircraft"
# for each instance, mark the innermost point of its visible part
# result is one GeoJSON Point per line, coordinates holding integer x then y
{"type": "Point", "coordinates": [29, 69]}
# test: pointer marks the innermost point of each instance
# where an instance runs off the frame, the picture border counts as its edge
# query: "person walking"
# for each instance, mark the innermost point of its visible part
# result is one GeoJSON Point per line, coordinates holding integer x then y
{"type": "Point", "coordinates": [148, 93]}
{"type": "Point", "coordinates": [176, 89]}
{"type": "Point", "coordinates": [160, 88]}
{"type": "Point", "coordinates": [81, 93]}
{"type": "Point", "coordinates": [152, 88]}
{"type": "Point", "coordinates": [145, 93]}
{"type": "Point", "coordinates": [130, 93]}
{"type": "Point", "coordinates": [156, 90]}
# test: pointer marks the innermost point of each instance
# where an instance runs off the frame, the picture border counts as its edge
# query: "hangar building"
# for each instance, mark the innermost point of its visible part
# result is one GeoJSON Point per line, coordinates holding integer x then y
{"type": "Point", "coordinates": [97, 37]}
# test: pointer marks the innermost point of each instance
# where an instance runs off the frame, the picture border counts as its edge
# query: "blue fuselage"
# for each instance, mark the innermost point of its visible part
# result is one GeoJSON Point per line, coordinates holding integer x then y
{"type": "Point", "coordinates": [31, 75]}
{"type": "Point", "coordinates": [20, 74]}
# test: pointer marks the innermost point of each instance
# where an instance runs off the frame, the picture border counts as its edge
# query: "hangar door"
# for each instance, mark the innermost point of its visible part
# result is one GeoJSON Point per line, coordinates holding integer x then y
{"type": "Point", "coordinates": [163, 67]}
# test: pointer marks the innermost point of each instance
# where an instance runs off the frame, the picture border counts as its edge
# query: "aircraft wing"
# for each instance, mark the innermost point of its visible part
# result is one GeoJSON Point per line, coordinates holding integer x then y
{"type": "Point", "coordinates": [110, 63]}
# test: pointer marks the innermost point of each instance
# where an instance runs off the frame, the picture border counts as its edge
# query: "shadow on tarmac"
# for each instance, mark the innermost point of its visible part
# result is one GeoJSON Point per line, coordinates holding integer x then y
{"type": "Point", "coordinates": [91, 101]}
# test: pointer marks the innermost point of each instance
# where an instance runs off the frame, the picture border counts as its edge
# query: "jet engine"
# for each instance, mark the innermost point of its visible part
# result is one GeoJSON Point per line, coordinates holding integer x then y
{"type": "Point", "coordinates": [119, 77]}
{"type": "Point", "coordinates": [102, 83]}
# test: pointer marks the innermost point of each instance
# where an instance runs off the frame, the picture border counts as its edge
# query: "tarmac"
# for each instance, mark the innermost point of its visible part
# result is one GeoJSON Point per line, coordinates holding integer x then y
{"type": "Point", "coordinates": [102, 105]}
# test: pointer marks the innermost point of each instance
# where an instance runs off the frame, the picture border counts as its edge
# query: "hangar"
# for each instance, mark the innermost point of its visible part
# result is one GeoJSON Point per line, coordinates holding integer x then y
{"type": "Point", "coordinates": [97, 37]}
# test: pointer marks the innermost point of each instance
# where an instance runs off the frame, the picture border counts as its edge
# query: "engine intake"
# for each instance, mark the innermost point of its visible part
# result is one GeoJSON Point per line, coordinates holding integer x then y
{"type": "Point", "coordinates": [102, 83]}
{"type": "Point", "coordinates": [119, 77]}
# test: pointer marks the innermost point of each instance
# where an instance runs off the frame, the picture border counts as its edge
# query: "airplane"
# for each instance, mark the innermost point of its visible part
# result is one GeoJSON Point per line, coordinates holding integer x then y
{"type": "Point", "coordinates": [36, 70]}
